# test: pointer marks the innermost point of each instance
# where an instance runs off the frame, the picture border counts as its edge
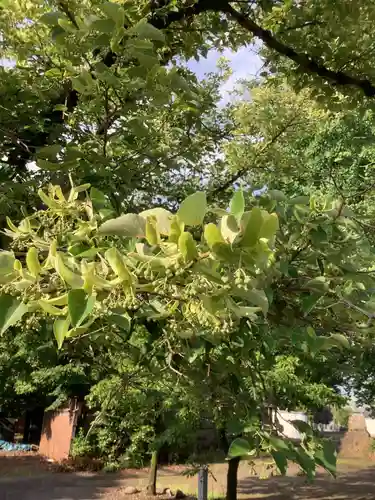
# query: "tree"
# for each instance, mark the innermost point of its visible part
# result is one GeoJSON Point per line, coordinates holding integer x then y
{"type": "Point", "coordinates": [98, 90]}
{"type": "Point", "coordinates": [108, 102]}
{"type": "Point", "coordinates": [242, 276]}
{"type": "Point", "coordinates": [288, 141]}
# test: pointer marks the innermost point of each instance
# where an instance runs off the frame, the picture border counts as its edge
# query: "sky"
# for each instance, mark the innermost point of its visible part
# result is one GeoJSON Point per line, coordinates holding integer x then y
{"type": "Point", "coordinates": [245, 63]}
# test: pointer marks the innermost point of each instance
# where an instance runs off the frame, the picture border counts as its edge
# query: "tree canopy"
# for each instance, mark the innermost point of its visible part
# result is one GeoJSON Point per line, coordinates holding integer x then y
{"type": "Point", "coordinates": [175, 249]}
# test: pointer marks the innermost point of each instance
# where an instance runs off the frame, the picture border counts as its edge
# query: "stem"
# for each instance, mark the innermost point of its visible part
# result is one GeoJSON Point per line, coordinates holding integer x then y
{"type": "Point", "coordinates": [151, 487]}
{"type": "Point", "coordinates": [232, 478]}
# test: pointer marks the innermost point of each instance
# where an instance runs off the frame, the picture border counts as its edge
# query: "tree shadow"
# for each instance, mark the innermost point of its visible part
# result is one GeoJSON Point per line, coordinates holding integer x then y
{"type": "Point", "coordinates": [358, 485]}
{"type": "Point", "coordinates": [58, 487]}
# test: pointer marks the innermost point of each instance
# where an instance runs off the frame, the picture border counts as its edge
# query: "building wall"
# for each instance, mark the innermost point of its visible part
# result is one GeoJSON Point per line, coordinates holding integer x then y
{"type": "Point", "coordinates": [58, 431]}
{"type": "Point", "coordinates": [284, 419]}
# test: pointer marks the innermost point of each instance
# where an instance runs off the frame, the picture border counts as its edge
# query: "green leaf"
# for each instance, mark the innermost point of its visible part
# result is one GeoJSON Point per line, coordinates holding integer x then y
{"type": "Point", "coordinates": [335, 340]}
{"type": "Point", "coordinates": [49, 202]}
{"type": "Point", "coordinates": [114, 11]}
{"type": "Point", "coordinates": [300, 200]}
{"type": "Point", "coordinates": [152, 233]}
{"type": "Point", "coordinates": [212, 235]}
{"type": "Point", "coordinates": [229, 228]}
{"type": "Point", "coordinates": [48, 165]}
{"type": "Point", "coordinates": [117, 263]}
{"type": "Point", "coordinates": [308, 303]}
{"type": "Point", "coordinates": [66, 274]}
{"type": "Point", "coordinates": [146, 30]}
{"type": "Point", "coordinates": [251, 224]}
{"type": "Point", "coordinates": [239, 448]}
{"type": "Point", "coordinates": [121, 320]}
{"type": "Point", "coordinates": [67, 25]}
{"type": "Point", "coordinates": [60, 330]}
{"type": "Point", "coordinates": [104, 25]}
{"type": "Point", "coordinates": [319, 284]}
{"type": "Point", "coordinates": [187, 247]}
{"type": "Point", "coordinates": [306, 463]}
{"type": "Point", "coordinates": [246, 312]}
{"type": "Point", "coordinates": [270, 226]}
{"type": "Point", "coordinates": [32, 262]}
{"type": "Point", "coordinates": [340, 340]}
{"type": "Point", "coordinates": [302, 427]}
{"type": "Point", "coordinates": [11, 311]}
{"type": "Point", "coordinates": [278, 444]}
{"type": "Point", "coordinates": [254, 296]}
{"type": "Point", "coordinates": [130, 225]}
{"type": "Point", "coordinates": [50, 308]}
{"type": "Point", "coordinates": [51, 18]}
{"type": "Point", "coordinates": [276, 195]}
{"type": "Point", "coordinates": [327, 457]}
{"type": "Point", "coordinates": [80, 306]}
{"type": "Point", "coordinates": [237, 204]}
{"type": "Point", "coordinates": [49, 152]}
{"type": "Point", "coordinates": [163, 218]}
{"type": "Point", "coordinates": [99, 200]}
{"type": "Point", "coordinates": [6, 262]}
{"type": "Point", "coordinates": [193, 209]}
{"type": "Point", "coordinates": [281, 461]}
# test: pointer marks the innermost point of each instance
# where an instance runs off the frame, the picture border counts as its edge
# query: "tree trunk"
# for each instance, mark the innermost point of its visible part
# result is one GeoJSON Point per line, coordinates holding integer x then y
{"type": "Point", "coordinates": [232, 478]}
{"type": "Point", "coordinates": [151, 487]}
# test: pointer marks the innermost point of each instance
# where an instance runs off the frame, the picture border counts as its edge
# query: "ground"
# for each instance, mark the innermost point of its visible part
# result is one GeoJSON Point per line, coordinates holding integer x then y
{"type": "Point", "coordinates": [29, 478]}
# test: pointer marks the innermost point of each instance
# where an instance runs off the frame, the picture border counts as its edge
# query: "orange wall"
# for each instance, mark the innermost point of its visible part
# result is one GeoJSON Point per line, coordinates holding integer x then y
{"type": "Point", "coordinates": [58, 431]}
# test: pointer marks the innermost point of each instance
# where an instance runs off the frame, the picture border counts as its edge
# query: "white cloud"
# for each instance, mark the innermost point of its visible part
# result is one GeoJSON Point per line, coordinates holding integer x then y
{"type": "Point", "coordinates": [245, 63]}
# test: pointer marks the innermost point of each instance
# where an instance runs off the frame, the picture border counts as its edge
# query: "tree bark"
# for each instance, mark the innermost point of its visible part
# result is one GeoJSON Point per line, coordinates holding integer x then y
{"type": "Point", "coordinates": [151, 487]}
{"type": "Point", "coordinates": [232, 478]}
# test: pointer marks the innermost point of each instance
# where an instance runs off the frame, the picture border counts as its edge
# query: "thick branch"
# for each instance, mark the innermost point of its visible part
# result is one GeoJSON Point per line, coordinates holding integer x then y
{"type": "Point", "coordinates": [304, 61]}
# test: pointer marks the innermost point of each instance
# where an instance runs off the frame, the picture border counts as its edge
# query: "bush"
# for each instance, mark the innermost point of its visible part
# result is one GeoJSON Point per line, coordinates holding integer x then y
{"type": "Point", "coordinates": [83, 445]}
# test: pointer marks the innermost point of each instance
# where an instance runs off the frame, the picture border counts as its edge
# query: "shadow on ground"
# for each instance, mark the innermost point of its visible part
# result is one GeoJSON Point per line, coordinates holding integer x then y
{"type": "Point", "coordinates": [57, 487]}
{"type": "Point", "coordinates": [358, 485]}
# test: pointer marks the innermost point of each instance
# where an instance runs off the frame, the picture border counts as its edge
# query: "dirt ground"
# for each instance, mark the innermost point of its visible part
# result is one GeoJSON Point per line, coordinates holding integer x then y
{"type": "Point", "coordinates": [30, 478]}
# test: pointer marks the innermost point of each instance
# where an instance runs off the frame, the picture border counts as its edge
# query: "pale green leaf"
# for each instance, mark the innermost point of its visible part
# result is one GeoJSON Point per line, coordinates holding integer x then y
{"type": "Point", "coordinates": [193, 209]}
{"type": "Point", "coordinates": [152, 233]}
{"type": "Point", "coordinates": [130, 225]}
{"type": "Point", "coordinates": [212, 235]}
{"type": "Point", "coordinates": [270, 226]}
{"type": "Point", "coordinates": [229, 228]}
{"type": "Point", "coordinates": [32, 262]}
{"type": "Point", "coordinates": [71, 278]}
{"type": "Point", "coordinates": [6, 262]}
{"type": "Point", "coordinates": [163, 218]}
{"type": "Point", "coordinates": [67, 25]}
{"type": "Point", "coordinates": [251, 224]}
{"type": "Point", "coordinates": [240, 448]}
{"type": "Point", "coordinates": [187, 247]}
{"type": "Point", "coordinates": [237, 204]}
{"type": "Point", "coordinates": [60, 330]}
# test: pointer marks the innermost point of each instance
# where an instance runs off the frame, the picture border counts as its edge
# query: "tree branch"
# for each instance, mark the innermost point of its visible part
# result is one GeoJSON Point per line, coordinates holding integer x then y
{"type": "Point", "coordinates": [304, 61]}
{"type": "Point", "coordinates": [240, 173]}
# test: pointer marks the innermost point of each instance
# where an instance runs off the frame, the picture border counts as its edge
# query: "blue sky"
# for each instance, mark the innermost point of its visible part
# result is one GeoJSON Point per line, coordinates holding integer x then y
{"type": "Point", "coordinates": [245, 63]}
